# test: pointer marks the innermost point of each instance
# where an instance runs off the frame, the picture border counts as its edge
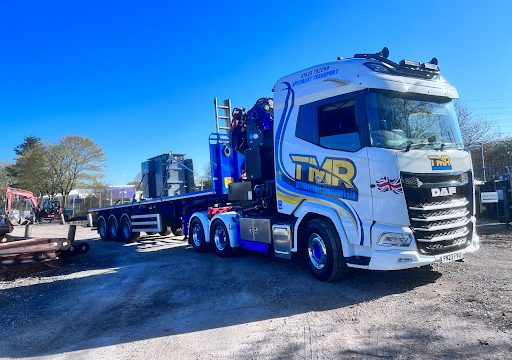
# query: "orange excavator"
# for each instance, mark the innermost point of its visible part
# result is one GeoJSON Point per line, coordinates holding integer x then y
{"type": "Point", "coordinates": [50, 212]}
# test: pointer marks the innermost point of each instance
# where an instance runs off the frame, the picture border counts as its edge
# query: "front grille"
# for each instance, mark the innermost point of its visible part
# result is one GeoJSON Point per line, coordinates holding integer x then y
{"type": "Point", "coordinates": [440, 224]}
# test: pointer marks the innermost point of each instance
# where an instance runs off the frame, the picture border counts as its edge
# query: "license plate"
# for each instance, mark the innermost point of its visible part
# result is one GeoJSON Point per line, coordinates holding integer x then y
{"type": "Point", "coordinates": [452, 257]}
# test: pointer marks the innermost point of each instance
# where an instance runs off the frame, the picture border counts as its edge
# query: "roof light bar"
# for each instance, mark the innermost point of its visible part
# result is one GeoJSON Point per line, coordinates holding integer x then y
{"type": "Point", "coordinates": [430, 66]}
{"type": "Point", "coordinates": [410, 63]}
{"type": "Point", "coordinates": [413, 68]}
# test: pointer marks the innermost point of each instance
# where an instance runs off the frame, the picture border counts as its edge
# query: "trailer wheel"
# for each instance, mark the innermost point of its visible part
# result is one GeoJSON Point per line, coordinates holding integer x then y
{"type": "Point", "coordinates": [324, 252]}
{"type": "Point", "coordinates": [197, 237]}
{"type": "Point", "coordinates": [177, 230]}
{"type": "Point", "coordinates": [165, 231]}
{"type": "Point", "coordinates": [126, 233]}
{"type": "Point", "coordinates": [113, 228]}
{"type": "Point", "coordinates": [102, 228]}
{"type": "Point", "coordinates": [220, 238]}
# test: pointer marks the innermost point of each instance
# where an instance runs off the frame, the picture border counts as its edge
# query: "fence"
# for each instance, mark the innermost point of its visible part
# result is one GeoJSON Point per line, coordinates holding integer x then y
{"type": "Point", "coordinates": [492, 171]}
{"type": "Point", "coordinates": [74, 205]}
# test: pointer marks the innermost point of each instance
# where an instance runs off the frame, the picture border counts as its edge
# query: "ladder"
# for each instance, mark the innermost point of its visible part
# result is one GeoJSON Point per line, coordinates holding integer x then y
{"type": "Point", "coordinates": [222, 115]}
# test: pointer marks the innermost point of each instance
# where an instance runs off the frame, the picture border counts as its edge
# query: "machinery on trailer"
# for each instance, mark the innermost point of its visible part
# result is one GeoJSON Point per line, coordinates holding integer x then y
{"type": "Point", "coordinates": [357, 163]}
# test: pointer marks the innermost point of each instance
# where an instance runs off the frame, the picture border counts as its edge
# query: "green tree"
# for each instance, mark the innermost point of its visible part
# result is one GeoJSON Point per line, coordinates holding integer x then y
{"type": "Point", "coordinates": [30, 170]}
{"type": "Point", "coordinates": [75, 161]}
{"type": "Point", "coordinates": [5, 179]}
{"type": "Point", "coordinates": [27, 143]}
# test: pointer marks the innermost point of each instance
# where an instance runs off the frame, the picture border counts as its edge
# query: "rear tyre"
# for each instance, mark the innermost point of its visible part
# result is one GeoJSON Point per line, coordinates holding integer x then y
{"type": "Point", "coordinates": [165, 231]}
{"type": "Point", "coordinates": [219, 237]}
{"type": "Point", "coordinates": [126, 233]}
{"type": "Point", "coordinates": [113, 228]}
{"type": "Point", "coordinates": [197, 236]}
{"type": "Point", "coordinates": [177, 230]}
{"type": "Point", "coordinates": [324, 252]}
{"type": "Point", "coordinates": [102, 229]}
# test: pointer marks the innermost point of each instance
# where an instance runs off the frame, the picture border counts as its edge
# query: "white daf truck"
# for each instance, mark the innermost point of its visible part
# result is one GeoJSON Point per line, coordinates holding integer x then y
{"type": "Point", "coordinates": [357, 163]}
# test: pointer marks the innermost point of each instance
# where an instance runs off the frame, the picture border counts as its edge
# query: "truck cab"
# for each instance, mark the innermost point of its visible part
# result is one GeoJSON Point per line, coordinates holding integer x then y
{"type": "Point", "coordinates": [375, 147]}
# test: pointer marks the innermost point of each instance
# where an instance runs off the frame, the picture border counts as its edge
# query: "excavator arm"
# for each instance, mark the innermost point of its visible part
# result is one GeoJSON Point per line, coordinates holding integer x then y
{"type": "Point", "coordinates": [9, 192]}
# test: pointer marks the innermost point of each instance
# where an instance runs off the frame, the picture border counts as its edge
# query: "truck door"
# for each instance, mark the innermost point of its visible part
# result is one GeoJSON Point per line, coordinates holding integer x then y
{"type": "Point", "coordinates": [337, 171]}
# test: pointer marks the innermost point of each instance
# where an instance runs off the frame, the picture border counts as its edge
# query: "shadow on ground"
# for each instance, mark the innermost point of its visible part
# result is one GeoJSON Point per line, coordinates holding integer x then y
{"type": "Point", "coordinates": [160, 286]}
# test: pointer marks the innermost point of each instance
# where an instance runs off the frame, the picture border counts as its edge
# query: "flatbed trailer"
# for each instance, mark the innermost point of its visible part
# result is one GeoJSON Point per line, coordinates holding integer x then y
{"type": "Point", "coordinates": [161, 215]}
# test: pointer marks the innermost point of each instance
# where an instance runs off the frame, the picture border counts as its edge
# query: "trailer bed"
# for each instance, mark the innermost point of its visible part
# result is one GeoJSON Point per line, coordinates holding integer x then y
{"type": "Point", "coordinates": [162, 215]}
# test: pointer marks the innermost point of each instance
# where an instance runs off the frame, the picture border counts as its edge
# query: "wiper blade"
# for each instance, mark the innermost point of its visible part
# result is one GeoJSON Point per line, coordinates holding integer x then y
{"type": "Point", "coordinates": [413, 145]}
{"type": "Point", "coordinates": [449, 144]}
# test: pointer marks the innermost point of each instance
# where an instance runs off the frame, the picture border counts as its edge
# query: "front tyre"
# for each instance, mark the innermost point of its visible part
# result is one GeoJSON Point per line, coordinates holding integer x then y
{"type": "Point", "coordinates": [197, 236]}
{"type": "Point", "coordinates": [324, 252]}
{"type": "Point", "coordinates": [219, 237]}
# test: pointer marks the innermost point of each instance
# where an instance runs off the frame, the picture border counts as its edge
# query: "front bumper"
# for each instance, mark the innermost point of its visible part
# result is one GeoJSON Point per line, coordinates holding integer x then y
{"type": "Point", "coordinates": [397, 259]}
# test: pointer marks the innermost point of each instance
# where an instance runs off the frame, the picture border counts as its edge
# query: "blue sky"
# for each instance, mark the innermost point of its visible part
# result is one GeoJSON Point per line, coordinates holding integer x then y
{"type": "Point", "coordinates": [139, 77]}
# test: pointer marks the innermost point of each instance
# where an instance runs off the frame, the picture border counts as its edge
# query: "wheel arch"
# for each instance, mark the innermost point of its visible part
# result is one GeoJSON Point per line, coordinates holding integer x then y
{"type": "Point", "coordinates": [203, 217]}
{"type": "Point", "coordinates": [113, 216]}
{"type": "Point", "coordinates": [308, 211]}
{"type": "Point", "coordinates": [125, 215]}
{"type": "Point", "coordinates": [231, 225]}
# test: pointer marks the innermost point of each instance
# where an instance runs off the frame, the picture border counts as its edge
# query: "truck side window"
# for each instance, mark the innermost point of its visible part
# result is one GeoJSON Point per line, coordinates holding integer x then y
{"type": "Point", "coordinates": [307, 126]}
{"type": "Point", "coordinates": [337, 126]}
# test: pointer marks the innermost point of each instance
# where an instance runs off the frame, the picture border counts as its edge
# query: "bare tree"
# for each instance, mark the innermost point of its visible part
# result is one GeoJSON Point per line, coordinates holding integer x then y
{"type": "Point", "coordinates": [204, 179]}
{"type": "Point", "coordinates": [137, 181]}
{"type": "Point", "coordinates": [474, 129]}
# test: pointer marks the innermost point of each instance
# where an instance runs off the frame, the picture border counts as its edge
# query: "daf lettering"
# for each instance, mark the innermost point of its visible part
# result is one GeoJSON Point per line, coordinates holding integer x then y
{"type": "Point", "coordinates": [436, 192]}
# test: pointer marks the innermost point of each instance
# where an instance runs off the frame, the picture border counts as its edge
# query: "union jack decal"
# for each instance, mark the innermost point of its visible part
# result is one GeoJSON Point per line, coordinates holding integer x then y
{"type": "Point", "coordinates": [386, 184]}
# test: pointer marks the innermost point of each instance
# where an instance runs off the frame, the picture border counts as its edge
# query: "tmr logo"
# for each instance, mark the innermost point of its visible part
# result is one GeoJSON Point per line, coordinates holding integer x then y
{"type": "Point", "coordinates": [334, 177]}
{"type": "Point", "coordinates": [440, 162]}
{"type": "Point", "coordinates": [436, 192]}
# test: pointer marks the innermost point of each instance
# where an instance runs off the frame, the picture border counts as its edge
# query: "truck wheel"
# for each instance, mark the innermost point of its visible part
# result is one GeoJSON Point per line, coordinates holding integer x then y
{"type": "Point", "coordinates": [197, 237]}
{"type": "Point", "coordinates": [150, 233]}
{"type": "Point", "coordinates": [126, 234]}
{"type": "Point", "coordinates": [220, 238]}
{"type": "Point", "coordinates": [113, 228]}
{"type": "Point", "coordinates": [102, 228]}
{"type": "Point", "coordinates": [324, 252]}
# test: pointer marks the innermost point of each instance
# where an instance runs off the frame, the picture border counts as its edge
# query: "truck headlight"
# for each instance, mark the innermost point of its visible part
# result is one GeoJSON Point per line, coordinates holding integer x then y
{"type": "Point", "coordinates": [394, 239]}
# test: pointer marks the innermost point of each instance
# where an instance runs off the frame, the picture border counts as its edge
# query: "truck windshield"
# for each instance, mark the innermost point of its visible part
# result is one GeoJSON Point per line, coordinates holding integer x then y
{"type": "Point", "coordinates": [411, 121]}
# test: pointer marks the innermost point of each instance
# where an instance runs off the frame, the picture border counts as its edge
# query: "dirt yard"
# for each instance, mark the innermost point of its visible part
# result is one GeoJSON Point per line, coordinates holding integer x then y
{"type": "Point", "coordinates": [158, 299]}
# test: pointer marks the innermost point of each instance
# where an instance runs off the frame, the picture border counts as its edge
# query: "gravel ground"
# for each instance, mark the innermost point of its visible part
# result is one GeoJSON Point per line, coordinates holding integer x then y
{"type": "Point", "coordinates": [158, 299]}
